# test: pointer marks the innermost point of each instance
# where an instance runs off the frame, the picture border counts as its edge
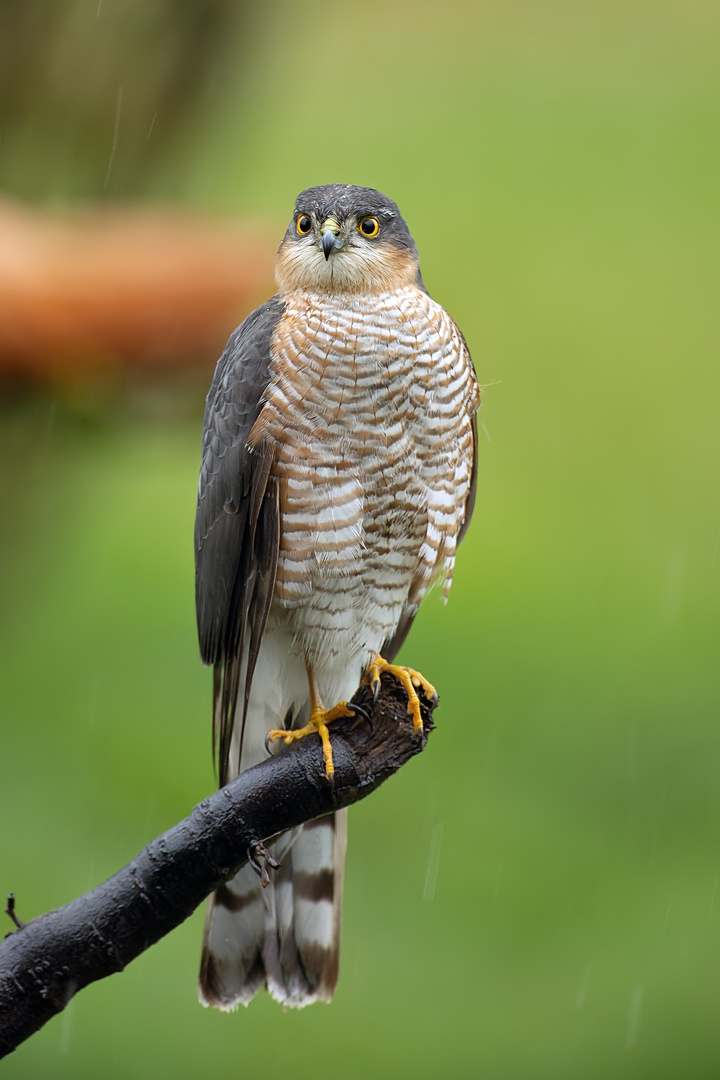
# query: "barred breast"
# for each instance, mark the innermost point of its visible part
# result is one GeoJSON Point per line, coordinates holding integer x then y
{"type": "Point", "coordinates": [368, 412]}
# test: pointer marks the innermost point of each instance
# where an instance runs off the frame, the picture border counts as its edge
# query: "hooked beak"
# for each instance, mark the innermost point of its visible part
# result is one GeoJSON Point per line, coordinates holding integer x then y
{"type": "Point", "coordinates": [330, 237]}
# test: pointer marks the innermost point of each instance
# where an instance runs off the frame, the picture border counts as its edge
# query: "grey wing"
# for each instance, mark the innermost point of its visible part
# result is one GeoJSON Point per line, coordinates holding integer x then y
{"type": "Point", "coordinates": [237, 521]}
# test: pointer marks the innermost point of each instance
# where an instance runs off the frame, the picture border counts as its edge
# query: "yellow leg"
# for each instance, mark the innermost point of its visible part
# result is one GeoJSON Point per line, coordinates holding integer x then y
{"type": "Point", "coordinates": [320, 717]}
{"type": "Point", "coordinates": [409, 678]}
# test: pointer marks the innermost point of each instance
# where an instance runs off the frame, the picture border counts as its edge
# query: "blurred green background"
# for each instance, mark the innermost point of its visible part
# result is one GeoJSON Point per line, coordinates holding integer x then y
{"type": "Point", "coordinates": [539, 895]}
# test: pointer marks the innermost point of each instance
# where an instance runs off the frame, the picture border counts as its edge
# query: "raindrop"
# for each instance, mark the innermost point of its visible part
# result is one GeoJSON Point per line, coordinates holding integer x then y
{"type": "Point", "coordinates": [433, 862]}
{"type": "Point", "coordinates": [634, 1011]}
{"type": "Point", "coordinates": [67, 1016]}
{"type": "Point", "coordinates": [118, 111]}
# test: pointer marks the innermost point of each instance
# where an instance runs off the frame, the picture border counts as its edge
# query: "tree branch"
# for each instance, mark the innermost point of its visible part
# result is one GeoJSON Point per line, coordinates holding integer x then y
{"type": "Point", "coordinates": [43, 964]}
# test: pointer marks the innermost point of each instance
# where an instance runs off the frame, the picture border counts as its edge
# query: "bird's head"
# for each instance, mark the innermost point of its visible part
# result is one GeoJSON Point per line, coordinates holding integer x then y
{"type": "Point", "coordinates": [346, 239]}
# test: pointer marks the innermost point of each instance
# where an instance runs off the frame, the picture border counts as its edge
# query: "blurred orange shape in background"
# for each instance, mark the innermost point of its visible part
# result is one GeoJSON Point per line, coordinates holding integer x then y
{"type": "Point", "coordinates": [97, 289]}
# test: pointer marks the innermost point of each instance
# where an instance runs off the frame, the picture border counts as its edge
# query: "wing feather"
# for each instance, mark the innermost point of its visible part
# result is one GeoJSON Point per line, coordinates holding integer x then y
{"type": "Point", "coordinates": [237, 522]}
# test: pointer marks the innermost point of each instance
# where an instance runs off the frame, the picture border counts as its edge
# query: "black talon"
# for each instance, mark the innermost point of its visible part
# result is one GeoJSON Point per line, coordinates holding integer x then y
{"type": "Point", "coordinates": [375, 690]}
{"type": "Point", "coordinates": [359, 709]}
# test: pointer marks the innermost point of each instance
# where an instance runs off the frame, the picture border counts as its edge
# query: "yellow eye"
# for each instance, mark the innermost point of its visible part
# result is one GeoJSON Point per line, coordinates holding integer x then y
{"type": "Point", "coordinates": [304, 225]}
{"type": "Point", "coordinates": [369, 226]}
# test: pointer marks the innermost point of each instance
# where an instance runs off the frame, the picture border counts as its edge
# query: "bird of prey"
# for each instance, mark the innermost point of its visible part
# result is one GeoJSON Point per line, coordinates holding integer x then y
{"type": "Point", "coordinates": [338, 475]}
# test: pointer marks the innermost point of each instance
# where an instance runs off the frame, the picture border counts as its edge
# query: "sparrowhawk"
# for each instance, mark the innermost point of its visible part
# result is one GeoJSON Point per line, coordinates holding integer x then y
{"type": "Point", "coordinates": [338, 476]}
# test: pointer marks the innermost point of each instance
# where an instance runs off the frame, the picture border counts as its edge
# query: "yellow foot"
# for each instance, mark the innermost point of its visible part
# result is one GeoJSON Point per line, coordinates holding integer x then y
{"type": "Point", "coordinates": [409, 678]}
{"type": "Point", "coordinates": [319, 720]}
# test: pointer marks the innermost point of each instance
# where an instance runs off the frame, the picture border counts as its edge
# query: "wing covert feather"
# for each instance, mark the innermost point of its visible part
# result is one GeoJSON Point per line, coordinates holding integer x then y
{"type": "Point", "coordinates": [236, 525]}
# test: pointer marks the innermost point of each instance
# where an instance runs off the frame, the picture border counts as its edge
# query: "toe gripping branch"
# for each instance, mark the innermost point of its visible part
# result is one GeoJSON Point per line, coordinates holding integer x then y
{"type": "Point", "coordinates": [411, 681]}
{"type": "Point", "coordinates": [318, 724]}
{"type": "Point", "coordinates": [371, 698]}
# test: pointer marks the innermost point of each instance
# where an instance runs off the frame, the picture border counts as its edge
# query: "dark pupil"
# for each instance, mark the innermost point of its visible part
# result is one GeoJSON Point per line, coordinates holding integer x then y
{"type": "Point", "coordinates": [368, 227]}
{"type": "Point", "coordinates": [304, 224]}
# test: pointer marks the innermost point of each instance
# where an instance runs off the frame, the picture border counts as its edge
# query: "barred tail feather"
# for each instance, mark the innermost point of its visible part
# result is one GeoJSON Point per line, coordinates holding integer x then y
{"type": "Point", "coordinates": [231, 967]}
{"type": "Point", "coordinates": [286, 936]}
{"type": "Point", "coordinates": [302, 949]}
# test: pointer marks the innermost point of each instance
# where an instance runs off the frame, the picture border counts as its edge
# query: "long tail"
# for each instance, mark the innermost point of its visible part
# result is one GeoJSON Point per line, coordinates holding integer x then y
{"type": "Point", "coordinates": [287, 935]}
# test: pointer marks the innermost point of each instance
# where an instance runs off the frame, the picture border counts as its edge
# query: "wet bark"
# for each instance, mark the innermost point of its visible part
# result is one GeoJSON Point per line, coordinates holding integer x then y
{"type": "Point", "coordinates": [45, 962]}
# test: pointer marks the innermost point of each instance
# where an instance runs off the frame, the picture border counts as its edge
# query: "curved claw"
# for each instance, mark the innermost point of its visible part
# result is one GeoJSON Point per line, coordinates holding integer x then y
{"type": "Point", "coordinates": [359, 709]}
{"type": "Point", "coordinates": [365, 716]}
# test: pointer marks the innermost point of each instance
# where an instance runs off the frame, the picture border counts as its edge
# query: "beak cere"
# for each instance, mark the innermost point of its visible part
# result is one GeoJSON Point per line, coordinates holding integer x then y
{"type": "Point", "coordinates": [330, 241]}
